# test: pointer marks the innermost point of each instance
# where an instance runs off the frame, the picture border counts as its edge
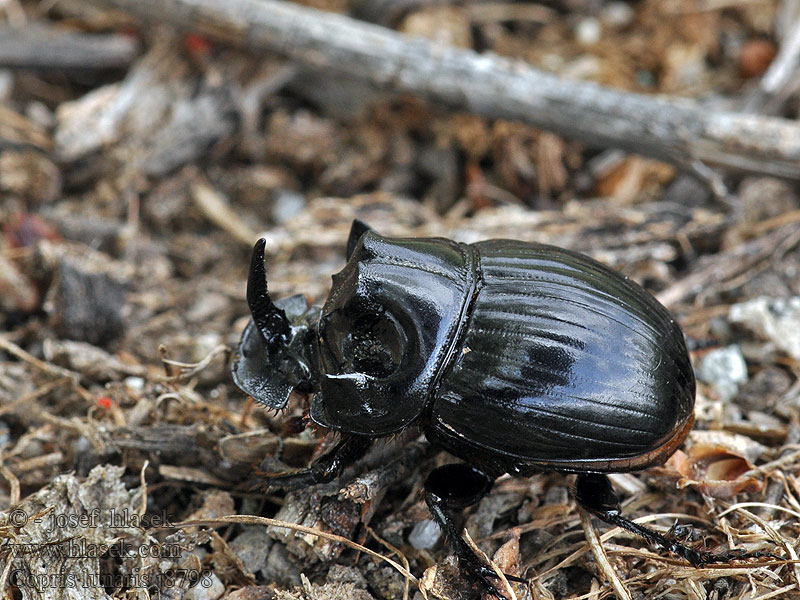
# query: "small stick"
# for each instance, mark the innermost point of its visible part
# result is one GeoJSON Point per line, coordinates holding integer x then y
{"type": "Point", "coordinates": [21, 354]}
{"type": "Point", "coordinates": [13, 485]}
{"type": "Point", "coordinates": [268, 522]}
{"type": "Point", "coordinates": [215, 208]}
{"type": "Point", "coordinates": [500, 575]}
{"type": "Point", "coordinates": [780, 78]}
{"type": "Point", "coordinates": [600, 556]}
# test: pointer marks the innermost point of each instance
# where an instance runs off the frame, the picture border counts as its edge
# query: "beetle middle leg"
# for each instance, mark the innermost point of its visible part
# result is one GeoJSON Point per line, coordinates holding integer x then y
{"type": "Point", "coordinates": [324, 469]}
{"type": "Point", "coordinates": [595, 494]}
{"type": "Point", "coordinates": [448, 490]}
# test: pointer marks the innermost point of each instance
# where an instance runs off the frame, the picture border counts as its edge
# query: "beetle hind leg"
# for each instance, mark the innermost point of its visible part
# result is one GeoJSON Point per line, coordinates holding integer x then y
{"type": "Point", "coordinates": [448, 490]}
{"type": "Point", "coordinates": [595, 494]}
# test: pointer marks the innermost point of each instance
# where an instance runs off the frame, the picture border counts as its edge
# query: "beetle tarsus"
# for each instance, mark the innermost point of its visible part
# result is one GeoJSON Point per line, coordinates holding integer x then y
{"type": "Point", "coordinates": [708, 558]}
{"type": "Point", "coordinates": [595, 494]}
{"type": "Point", "coordinates": [485, 575]}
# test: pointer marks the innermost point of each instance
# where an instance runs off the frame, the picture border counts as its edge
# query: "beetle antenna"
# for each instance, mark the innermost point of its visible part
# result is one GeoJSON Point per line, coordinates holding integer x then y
{"type": "Point", "coordinates": [270, 320]}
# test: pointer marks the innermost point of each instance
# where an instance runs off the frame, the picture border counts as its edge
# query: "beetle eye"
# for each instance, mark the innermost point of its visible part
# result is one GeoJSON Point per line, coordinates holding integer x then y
{"type": "Point", "coordinates": [364, 342]}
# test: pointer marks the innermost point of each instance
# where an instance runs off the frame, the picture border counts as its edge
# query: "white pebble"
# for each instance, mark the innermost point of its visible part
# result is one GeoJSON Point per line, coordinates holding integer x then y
{"type": "Point", "coordinates": [288, 204]}
{"type": "Point", "coordinates": [424, 535]}
{"type": "Point", "coordinates": [134, 383]}
{"type": "Point", "coordinates": [776, 319]}
{"type": "Point", "coordinates": [617, 14]}
{"type": "Point", "coordinates": [208, 588]}
{"type": "Point", "coordinates": [723, 369]}
{"type": "Point", "coordinates": [588, 31]}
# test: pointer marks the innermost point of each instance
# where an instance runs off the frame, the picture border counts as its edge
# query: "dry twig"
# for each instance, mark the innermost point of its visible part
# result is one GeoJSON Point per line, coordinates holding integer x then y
{"type": "Point", "coordinates": [47, 48]}
{"type": "Point", "coordinates": [780, 80]}
{"type": "Point", "coordinates": [267, 522]}
{"type": "Point", "coordinates": [12, 348]}
{"type": "Point", "coordinates": [216, 209]}
{"type": "Point", "coordinates": [674, 130]}
{"type": "Point", "coordinates": [600, 556]}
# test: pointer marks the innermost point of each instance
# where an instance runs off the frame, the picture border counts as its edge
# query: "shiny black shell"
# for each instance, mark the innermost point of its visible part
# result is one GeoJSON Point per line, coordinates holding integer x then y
{"type": "Point", "coordinates": [569, 365]}
{"type": "Point", "coordinates": [515, 356]}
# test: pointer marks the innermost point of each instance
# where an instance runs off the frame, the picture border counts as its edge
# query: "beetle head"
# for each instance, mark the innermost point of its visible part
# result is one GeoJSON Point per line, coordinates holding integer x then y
{"type": "Point", "coordinates": [277, 351]}
{"type": "Point", "coordinates": [385, 330]}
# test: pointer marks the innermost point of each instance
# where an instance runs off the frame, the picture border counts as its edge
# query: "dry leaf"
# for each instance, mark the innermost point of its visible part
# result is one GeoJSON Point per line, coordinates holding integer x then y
{"type": "Point", "coordinates": [715, 470]}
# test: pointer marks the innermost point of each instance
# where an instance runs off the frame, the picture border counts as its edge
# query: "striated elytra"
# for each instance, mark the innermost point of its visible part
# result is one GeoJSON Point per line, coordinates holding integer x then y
{"type": "Point", "coordinates": [515, 357]}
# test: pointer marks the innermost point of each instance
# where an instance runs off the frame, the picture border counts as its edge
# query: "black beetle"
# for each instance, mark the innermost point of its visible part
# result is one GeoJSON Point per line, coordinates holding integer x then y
{"type": "Point", "coordinates": [515, 357]}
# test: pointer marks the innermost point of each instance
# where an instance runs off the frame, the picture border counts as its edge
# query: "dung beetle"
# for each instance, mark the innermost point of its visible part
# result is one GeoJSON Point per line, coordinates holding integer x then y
{"type": "Point", "coordinates": [515, 357]}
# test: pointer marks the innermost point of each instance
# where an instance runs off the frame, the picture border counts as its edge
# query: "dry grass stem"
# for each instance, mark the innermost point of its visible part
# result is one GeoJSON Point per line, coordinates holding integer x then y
{"type": "Point", "coordinates": [609, 573]}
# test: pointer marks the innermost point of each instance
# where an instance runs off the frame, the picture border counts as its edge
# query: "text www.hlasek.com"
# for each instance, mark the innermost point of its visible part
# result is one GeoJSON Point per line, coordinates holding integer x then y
{"type": "Point", "coordinates": [81, 548]}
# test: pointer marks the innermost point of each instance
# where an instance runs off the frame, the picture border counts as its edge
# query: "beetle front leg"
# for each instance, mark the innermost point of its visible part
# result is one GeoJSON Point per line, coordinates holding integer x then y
{"type": "Point", "coordinates": [595, 494]}
{"type": "Point", "coordinates": [324, 469]}
{"type": "Point", "coordinates": [448, 490]}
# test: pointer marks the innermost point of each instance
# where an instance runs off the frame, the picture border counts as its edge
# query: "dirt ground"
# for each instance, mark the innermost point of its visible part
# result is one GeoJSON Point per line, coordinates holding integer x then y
{"type": "Point", "coordinates": [134, 180]}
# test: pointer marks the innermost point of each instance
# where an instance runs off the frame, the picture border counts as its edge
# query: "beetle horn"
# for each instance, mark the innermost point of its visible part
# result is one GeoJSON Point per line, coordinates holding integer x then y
{"type": "Point", "coordinates": [270, 320]}
{"type": "Point", "coordinates": [357, 229]}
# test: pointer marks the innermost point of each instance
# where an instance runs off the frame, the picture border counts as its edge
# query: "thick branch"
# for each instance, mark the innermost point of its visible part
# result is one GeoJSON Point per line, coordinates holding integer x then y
{"type": "Point", "coordinates": [42, 47]}
{"type": "Point", "coordinates": [674, 130]}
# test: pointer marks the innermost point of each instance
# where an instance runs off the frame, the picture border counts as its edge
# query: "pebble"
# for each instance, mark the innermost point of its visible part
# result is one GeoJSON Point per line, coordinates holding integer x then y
{"type": "Point", "coordinates": [588, 31]}
{"type": "Point", "coordinates": [424, 535]}
{"type": "Point", "coordinates": [252, 547]}
{"type": "Point", "coordinates": [288, 204]}
{"type": "Point", "coordinates": [776, 319]}
{"type": "Point", "coordinates": [134, 383]}
{"type": "Point", "coordinates": [208, 588]}
{"type": "Point", "coordinates": [617, 14]}
{"type": "Point", "coordinates": [723, 369]}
